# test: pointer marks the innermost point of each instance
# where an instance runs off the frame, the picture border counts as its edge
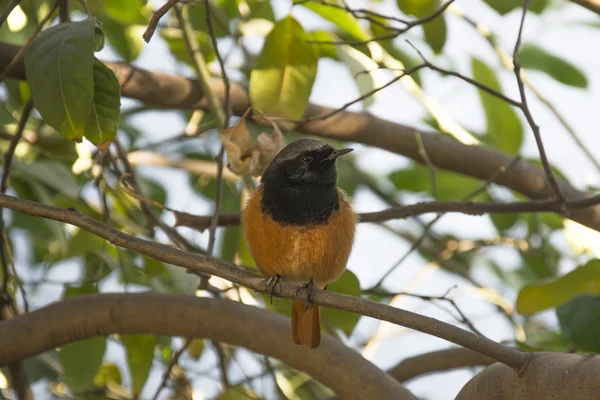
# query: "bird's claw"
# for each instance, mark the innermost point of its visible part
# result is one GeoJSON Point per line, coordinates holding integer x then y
{"type": "Point", "coordinates": [310, 286]}
{"type": "Point", "coordinates": [271, 283]}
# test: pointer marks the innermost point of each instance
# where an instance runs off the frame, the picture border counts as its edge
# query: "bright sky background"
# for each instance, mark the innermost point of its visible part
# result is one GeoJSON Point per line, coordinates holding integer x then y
{"type": "Point", "coordinates": [376, 250]}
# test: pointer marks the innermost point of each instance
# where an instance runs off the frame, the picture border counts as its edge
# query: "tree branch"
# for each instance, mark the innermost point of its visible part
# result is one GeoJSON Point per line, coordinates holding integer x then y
{"type": "Point", "coordinates": [212, 266]}
{"type": "Point", "coordinates": [436, 361]}
{"type": "Point", "coordinates": [201, 222]}
{"type": "Point", "coordinates": [260, 331]}
{"type": "Point", "coordinates": [592, 5]}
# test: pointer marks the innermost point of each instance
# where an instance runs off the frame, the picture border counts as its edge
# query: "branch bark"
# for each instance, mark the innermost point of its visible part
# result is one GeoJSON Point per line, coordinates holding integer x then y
{"type": "Point", "coordinates": [212, 266]}
{"type": "Point", "coordinates": [436, 361]}
{"type": "Point", "coordinates": [175, 92]}
{"type": "Point", "coordinates": [264, 332]}
{"type": "Point", "coordinates": [592, 5]}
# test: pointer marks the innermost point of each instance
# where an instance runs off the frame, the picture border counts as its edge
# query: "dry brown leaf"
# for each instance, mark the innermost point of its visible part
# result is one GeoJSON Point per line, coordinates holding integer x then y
{"type": "Point", "coordinates": [245, 158]}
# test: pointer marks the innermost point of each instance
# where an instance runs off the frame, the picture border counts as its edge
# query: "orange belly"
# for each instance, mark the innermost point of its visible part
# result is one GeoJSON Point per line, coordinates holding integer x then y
{"type": "Point", "coordinates": [298, 254]}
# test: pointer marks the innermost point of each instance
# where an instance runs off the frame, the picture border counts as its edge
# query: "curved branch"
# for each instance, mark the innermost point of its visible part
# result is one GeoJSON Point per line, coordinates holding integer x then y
{"type": "Point", "coordinates": [264, 332]}
{"type": "Point", "coordinates": [232, 273]}
{"type": "Point", "coordinates": [170, 91]}
{"type": "Point", "coordinates": [436, 361]}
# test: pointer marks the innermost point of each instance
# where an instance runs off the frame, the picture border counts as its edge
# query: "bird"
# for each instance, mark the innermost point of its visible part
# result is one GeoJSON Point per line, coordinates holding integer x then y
{"type": "Point", "coordinates": [300, 227]}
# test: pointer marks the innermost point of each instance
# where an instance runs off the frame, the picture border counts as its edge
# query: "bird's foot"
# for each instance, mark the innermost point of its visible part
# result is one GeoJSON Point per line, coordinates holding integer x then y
{"type": "Point", "coordinates": [310, 286]}
{"type": "Point", "coordinates": [271, 283]}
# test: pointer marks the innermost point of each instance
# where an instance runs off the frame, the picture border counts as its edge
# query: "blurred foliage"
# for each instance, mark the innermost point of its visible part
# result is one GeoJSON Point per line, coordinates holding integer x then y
{"type": "Point", "coordinates": [78, 101]}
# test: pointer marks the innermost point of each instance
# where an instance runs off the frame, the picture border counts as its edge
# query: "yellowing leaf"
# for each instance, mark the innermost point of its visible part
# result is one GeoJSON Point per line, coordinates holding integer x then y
{"type": "Point", "coordinates": [245, 158]}
{"type": "Point", "coordinates": [282, 81]}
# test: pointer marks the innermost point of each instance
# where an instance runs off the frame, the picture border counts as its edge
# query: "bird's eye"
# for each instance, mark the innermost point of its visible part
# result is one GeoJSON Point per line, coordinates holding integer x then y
{"type": "Point", "coordinates": [307, 159]}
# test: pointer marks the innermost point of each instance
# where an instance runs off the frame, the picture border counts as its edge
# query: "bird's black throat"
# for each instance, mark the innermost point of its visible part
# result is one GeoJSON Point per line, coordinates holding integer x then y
{"type": "Point", "coordinates": [301, 205]}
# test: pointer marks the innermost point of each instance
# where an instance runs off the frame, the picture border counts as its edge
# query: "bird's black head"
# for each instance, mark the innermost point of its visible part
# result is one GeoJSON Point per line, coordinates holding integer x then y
{"type": "Point", "coordinates": [300, 184]}
{"type": "Point", "coordinates": [304, 162]}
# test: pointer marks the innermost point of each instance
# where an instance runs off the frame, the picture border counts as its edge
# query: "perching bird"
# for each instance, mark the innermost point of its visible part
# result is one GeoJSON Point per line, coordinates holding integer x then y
{"type": "Point", "coordinates": [300, 228]}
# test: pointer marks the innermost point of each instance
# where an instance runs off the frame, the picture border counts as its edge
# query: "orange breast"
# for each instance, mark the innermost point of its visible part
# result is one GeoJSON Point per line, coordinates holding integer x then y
{"type": "Point", "coordinates": [318, 252]}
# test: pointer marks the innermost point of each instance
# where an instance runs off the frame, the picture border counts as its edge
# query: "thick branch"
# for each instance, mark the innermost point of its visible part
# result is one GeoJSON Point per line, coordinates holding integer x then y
{"type": "Point", "coordinates": [264, 332]}
{"type": "Point", "coordinates": [212, 266]}
{"type": "Point", "coordinates": [436, 361]}
{"type": "Point", "coordinates": [175, 92]}
{"type": "Point", "coordinates": [592, 5]}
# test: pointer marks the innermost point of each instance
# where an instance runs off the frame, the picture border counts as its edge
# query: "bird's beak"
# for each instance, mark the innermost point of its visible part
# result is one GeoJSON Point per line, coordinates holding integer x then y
{"type": "Point", "coordinates": [336, 153]}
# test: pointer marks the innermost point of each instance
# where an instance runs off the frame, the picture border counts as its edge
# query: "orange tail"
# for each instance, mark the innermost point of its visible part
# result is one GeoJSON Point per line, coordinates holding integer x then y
{"type": "Point", "coordinates": [306, 324]}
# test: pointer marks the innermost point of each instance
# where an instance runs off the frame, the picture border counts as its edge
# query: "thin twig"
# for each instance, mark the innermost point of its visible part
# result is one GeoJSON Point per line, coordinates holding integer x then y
{"type": "Point", "coordinates": [428, 227]}
{"type": "Point", "coordinates": [362, 13]}
{"type": "Point", "coordinates": [63, 11]}
{"type": "Point", "coordinates": [204, 79]}
{"type": "Point", "coordinates": [174, 361]}
{"type": "Point", "coordinates": [473, 82]}
{"type": "Point", "coordinates": [87, 10]}
{"type": "Point", "coordinates": [153, 220]}
{"type": "Point", "coordinates": [17, 58]}
{"type": "Point", "coordinates": [506, 61]}
{"type": "Point", "coordinates": [221, 155]}
{"type": "Point", "coordinates": [527, 112]}
{"type": "Point", "coordinates": [463, 318]}
{"type": "Point", "coordinates": [8, 157]}
{"type": "Point", "coordinates": [370, 93]}
{"type": "Point", "coordinates": [156, 16]}
{"type": "Point", "coordinates": [564, 123]}
{"type": "Point", "coordinates": [432, 170]}
{"type": "Point", "coordinates": [17, 372]}
{"type": "Point", "coordinates": [220, 351]}
{"type": "Point", "coordinates": [398, 31]}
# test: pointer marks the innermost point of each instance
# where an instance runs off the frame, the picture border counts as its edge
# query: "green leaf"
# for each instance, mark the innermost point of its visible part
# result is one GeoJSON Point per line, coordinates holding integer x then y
{"type": "Point", "coordinates": [98, 39]}
{"type": "Point", "coordinates": [540, 337]}
{"type": "Point", "coordinates": [536, 58]}
{"type": "Point", "coordinates": [50, 174]}
{"type": "Point", "coordinates": [323, 49]}
{"type": "Point", "coordinates": [503, 222]}
{"type": "Point", "coordinates": [435, 33]}
{"type": "Point", "coordinates": [579, 321]}
{"type": "Point", "coordinates": [537, 297]}
{"type": "Point", "coordinates": [504, 129]}
{"type": "Point", "coordinates": [127, 12]}
{"type": "Point", "coordinates": [59, 65]}
{"type": "Point", "coordinates": [140, 353]}
{"type": "Point", "coordinates": [80, 360]}
{"type": "Point", "coordinates": [503, 7]}
{"type": "Point", "coordinates": [196, 348]}
{"type": "Point", "coordinates": [434, 30]}
{"type": "Point", "coordinates": [126, 41]}
{"type": "Point", "coordinates": [43, 366]}
{"type": "Point", "coordinates": [238, 392]}
{"type": "Point", "coordinates": [281, 82]}
{"type": "Point", "coordinates": [417, 8]}
{"type": "Point", "coordinates": [342, 19]}
{"type": "Point", "coordinates": [98, 265]}
{"type": "Point", "coordinates": [219, 18]}
{"type": "Point", "coordinates": [450, 185]}
{"type": "Point", "coordinates": [105, 112]}
{"type": "Point", "coordinates": [345, 321]}
{"type": "Point", "coordinates": [176, 43]}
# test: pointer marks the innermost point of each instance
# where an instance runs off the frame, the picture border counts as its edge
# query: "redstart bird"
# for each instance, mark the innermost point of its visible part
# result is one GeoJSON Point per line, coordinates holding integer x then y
{"type": "Point", "coordinates": [300, 228]}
